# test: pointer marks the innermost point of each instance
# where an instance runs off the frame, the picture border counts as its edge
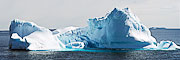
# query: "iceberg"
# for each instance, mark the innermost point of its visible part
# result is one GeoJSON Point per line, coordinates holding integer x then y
{"type": "Point", "coordinates": [118, 29]}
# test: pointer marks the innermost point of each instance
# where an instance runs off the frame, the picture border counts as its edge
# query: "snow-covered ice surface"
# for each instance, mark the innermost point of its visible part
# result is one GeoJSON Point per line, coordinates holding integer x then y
{"type": "Point", "coordinates": [118, 29]}
{"type": "Point", "coordinates": [27, 35]}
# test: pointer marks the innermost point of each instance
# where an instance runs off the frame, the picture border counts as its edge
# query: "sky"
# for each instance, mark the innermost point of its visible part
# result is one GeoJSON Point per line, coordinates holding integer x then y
{"type": "Point", "coordinates": [64, 13]}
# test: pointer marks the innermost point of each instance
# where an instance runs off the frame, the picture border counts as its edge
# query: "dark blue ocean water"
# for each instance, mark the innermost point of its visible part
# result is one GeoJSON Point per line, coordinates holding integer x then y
{"type": "Point", "coordinates": [159, 34]}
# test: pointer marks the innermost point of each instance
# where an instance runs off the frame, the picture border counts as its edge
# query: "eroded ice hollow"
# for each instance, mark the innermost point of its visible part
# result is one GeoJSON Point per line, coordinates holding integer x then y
{"type": "Point", "coordinates": [118, 29]}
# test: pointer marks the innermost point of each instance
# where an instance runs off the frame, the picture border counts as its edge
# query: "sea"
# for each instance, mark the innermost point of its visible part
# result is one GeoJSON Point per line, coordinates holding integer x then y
{"type": "Point", "coordinates": [112, 54]}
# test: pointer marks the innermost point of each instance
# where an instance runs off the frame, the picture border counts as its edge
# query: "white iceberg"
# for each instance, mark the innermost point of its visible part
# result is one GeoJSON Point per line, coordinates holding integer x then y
{"type": "Point", "coordinates": [31, 37]}
{"type": "Point", "coordinates": [119, 29]}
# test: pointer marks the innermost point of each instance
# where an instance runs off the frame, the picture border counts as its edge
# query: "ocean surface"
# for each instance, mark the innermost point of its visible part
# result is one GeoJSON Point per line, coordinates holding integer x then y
{"type": "Point", "coordinates": [115, 54]}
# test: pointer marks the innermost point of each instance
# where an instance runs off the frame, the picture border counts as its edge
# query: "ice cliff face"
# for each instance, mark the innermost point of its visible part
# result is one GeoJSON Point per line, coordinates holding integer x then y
{"type": "Point", "coordinates": [119, 29]}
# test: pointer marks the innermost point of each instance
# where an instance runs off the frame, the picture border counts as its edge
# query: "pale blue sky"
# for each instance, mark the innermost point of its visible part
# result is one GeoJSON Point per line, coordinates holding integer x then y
{"type": "Point", "coordinates": [63, 13]}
